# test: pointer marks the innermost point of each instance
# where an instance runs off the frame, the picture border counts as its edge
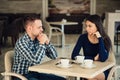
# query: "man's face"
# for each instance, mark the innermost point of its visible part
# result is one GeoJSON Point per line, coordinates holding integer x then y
{"type": "Point", "coordinates": [36, 28]}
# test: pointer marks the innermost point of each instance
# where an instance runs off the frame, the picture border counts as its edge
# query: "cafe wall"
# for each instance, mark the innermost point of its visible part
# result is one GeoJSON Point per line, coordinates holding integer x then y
{"type": "Point", "coordinates": [20, 6]}
{"type": "Point", "coordinates": [82, 6]}
{"type": "Point", "coordinates": [35, 6]}
{"type": "Point", "coordinates": [103, 6]}
{"type": "Point", "coordinates": [69, 6]}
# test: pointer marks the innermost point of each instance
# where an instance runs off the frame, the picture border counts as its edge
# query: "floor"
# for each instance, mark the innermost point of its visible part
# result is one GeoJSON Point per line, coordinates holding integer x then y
{"type": "Point", "coordinates": [62, 52]}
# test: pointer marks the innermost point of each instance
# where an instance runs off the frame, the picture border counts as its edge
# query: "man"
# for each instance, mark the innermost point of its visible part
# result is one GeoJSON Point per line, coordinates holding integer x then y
{"type": "Point", "coordinates": [31, 48]}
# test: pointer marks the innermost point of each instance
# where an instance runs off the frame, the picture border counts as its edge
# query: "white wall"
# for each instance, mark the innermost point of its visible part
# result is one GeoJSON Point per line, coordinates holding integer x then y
{"type": "Point", "coordinates": [111, 18]}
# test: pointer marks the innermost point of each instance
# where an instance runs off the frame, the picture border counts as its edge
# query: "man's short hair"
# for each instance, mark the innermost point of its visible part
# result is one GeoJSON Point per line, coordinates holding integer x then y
{"type": "Point", "coordinates": [29, 19]}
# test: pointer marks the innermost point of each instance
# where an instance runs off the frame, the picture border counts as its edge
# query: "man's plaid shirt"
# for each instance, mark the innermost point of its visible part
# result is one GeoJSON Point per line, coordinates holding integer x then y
{"type": "Point", "coordinates": [29, 52]}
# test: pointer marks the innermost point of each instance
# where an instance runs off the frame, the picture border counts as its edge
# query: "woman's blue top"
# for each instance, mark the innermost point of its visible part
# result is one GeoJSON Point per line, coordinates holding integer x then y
{"type": "Point", "coordinates": [90, 50]}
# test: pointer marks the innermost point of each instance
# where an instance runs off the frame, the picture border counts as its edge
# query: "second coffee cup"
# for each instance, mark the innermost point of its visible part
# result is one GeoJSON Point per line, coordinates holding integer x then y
{"type": "Point", "coordinates": [80, 59]}
{"type": "Point", "coordinates": [88, 62]}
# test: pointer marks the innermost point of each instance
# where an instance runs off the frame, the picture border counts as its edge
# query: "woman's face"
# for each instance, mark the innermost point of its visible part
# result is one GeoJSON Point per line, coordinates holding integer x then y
{"type": "Point", "coordinates": [90, 27]}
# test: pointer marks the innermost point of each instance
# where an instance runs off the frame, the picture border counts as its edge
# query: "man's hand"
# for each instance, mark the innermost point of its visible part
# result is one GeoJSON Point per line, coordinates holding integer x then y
{"type": "Point", "coordinates": [43, 38]}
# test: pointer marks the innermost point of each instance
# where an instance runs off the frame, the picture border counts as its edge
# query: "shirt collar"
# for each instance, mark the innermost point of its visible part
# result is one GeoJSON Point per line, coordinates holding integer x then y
{"type": "Point", "coordinates": [28, 39]}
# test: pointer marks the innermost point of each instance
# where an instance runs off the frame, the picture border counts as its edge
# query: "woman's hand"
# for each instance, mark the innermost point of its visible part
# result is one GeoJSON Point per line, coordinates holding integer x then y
{"type": "Point", "coordinates": [97, 34]}
{"type": "Point", "coordinates": [96, 58]}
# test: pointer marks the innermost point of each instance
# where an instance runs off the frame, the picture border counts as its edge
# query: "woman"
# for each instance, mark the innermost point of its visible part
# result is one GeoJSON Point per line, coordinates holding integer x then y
{"type": "Point", "coordinates": [95, 43]}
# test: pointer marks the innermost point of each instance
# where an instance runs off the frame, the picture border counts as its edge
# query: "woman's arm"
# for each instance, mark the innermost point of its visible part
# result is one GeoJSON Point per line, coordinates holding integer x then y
{"type": "Point", "coordinates": [103, 53]}
{"type": "Point", "coordinates": [77, 48]}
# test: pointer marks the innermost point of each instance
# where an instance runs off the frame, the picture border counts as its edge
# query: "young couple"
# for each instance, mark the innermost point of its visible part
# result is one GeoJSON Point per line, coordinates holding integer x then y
{"type": "Point", "coordinates": [31, 48]}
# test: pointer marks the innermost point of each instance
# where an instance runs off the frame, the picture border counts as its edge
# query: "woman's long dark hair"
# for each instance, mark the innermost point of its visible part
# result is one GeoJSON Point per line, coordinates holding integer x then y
{"type": "Point", "coordinates": [98, 22]}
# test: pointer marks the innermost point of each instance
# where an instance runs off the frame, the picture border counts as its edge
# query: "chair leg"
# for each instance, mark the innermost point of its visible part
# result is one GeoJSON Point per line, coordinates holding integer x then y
{"type": "Point", "coordinates": [0, 51]}
{"type": "Point", "coordinates": [117, 44]}
{"type": "Point", "coordinates": [61, 41]}
{"type": "Point", "coordinates": [58, 41]}
{"type": "Point", "coordinates": [14, 39]}
{"type": "Point", "coordinates": [5, 40]}
{"type": "Point", "coordinates": [74, 78]}
{"type": "Point", "coordinates": [71, 78]}
{"type": "Point", "coordinates": [0, 46]}
{"type": "Point", "coordinates": [0, 41]}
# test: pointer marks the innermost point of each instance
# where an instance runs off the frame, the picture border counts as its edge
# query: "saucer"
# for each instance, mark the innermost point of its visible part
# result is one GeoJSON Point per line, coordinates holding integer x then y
{"type": "Point", "coordinates": [77, 62]}
{"type": "Point", "coordinates": [93, 66]}
{"type": "Point", "coordinates": [59, 65]}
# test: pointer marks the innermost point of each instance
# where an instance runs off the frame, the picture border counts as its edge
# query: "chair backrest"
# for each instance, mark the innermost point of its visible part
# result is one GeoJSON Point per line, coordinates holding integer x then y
{"type": "Point", "coordinates": [113, 73]}
{"type": "Point", "coordinates": [47, 28]}
{"type": "Point", "coordinates": [8, 67]}
{"type": "Point", "coordinates": [112, 57]}
{"type": "Point", "coordinates": [8, 63]}
{"type": "Point", "coordinates": [18, 25]}
{"type": "Point", "coordinates": [1, 28]}
{"type": "Point", "coordinates": [9, 60]}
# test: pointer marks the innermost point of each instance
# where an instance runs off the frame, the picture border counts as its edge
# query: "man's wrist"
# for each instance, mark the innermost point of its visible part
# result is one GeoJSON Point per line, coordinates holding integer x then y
{"type": "Point", "coordinates": [41, 43]}
{"type": "Point", "coordinates": [47, 43]}
{"type": "Point", "coordinates": [42, 46]}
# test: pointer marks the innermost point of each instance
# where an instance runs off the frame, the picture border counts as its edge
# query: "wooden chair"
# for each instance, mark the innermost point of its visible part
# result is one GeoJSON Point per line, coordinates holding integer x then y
{"type": "Point", "coordinates": [112, 57]}
{"type": "Point", "coordinates": [12, 30]}
{"type": "Point", "coordinates": [1, 30]}
{"type": "Point", "coordinates": [8, 67]}
{"type": "Point", "coordinates": [113, 73]}
{"type": "Point", "coordinates": [117, 37]}
{"type": "Point", "coordinates": [53, 31]}
{"type": "Point", "coordinates": [0, 51]}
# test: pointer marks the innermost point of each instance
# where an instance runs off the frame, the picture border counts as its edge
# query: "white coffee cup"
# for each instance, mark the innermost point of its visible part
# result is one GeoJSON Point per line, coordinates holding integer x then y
{"type": "Point", "coordinates": [88, 62]}
{"type": "Point", "coordinates": [64, 62]}
{"type": "Point", "coordinates": [80, 59]}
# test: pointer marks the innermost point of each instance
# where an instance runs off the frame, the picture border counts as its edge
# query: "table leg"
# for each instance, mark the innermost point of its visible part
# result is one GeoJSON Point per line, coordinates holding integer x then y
{"type": "Point", "coordinates": [71, 78]}
{"type": "Point", "coordinates": [63, 37]}
{"type": "Point", "coordinates": [78, 78]}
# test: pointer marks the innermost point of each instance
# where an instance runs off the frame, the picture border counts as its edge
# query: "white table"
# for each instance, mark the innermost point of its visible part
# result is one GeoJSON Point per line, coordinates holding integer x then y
{"type": "Point", "coordinates": [62, 27]}
{"type": "Point", "coordinates": [76, 70]}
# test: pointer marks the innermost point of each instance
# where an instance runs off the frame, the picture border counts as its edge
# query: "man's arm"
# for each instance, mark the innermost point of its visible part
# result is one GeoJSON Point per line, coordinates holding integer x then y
{"type": "Point", "coordinates": [23, 49]}
{"type": "Point", "coordinates": [50, 51]}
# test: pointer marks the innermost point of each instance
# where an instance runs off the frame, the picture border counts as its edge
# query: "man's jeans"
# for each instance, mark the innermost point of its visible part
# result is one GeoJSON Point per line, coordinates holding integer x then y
{"type": "Point", "coordinates": [41, 76]}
